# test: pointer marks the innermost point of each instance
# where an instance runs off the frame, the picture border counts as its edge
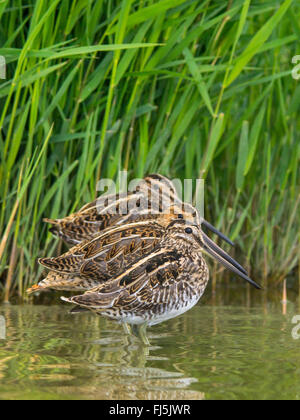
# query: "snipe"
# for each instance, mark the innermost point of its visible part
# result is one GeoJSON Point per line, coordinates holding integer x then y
{"type": "Point", "coordinates": [164, 283]}
{"type": "Point", "coordinates": [128, 207]}
{"type": "Point", "coordinates": [107, 255]}
{"type": "Point", "coordinates": [142, 267]}
{"type": "Point", "coordinates": [145, 227]}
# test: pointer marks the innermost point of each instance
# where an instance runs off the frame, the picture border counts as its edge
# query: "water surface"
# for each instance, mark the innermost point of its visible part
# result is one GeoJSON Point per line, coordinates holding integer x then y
{"type": "Point", "coordinates": [222, 349]}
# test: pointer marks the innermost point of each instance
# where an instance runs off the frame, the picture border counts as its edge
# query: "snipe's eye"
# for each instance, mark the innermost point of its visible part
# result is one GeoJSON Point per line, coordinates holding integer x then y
{"type": "Point", "coordinates": [188, 230]}
{"type": "Point", "coordinates": [180, 216]}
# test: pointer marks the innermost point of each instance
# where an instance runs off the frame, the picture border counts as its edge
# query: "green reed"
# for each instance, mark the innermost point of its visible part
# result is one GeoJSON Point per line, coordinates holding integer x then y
{"type": "Point", "coordinates": [185, 88]}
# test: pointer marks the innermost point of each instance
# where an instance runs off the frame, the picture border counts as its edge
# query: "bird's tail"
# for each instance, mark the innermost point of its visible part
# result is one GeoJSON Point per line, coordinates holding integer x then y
{"type": "Point", "coordinates": [51, 221]}
{"type": "Point", "coordinates": [36, 288]}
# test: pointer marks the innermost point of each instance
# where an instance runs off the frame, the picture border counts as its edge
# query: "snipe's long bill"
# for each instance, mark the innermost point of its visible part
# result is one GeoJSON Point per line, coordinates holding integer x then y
{"type": "Point", "coordinates": [161, 285]}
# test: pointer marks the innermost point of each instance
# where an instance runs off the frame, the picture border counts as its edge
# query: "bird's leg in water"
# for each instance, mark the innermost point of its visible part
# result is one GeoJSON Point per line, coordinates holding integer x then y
{"type": "Point", "coordinates": [140, 332]}
{"type": "Point", "coordinates": [127, 328]}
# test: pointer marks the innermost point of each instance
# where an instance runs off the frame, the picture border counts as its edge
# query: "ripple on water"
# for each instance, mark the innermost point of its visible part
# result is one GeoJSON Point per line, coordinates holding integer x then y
{"type": "Point", "coordinates": [212, 352]}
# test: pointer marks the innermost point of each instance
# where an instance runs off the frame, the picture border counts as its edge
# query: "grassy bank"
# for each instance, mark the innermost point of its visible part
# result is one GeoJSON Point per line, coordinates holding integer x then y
{"type": "Point", "coordinates": [186, 88]}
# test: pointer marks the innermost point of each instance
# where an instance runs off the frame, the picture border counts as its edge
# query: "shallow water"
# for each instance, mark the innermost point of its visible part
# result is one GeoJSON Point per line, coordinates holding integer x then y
{"type": "Point", "coordinates": [221, 349]}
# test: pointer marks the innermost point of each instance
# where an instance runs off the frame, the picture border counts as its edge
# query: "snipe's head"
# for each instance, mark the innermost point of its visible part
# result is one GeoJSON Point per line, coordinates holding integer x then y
{"type": "Point", "coordinates": [161, 182]}
{"type": "Point", "coordinates": [185, 234]}
{"type": "Point", "coordinates": [190, 238]}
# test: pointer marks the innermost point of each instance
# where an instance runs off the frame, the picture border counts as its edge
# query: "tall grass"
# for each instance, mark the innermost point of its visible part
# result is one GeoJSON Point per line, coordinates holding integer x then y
{"type": "Point", "coordinates": [186, 88]}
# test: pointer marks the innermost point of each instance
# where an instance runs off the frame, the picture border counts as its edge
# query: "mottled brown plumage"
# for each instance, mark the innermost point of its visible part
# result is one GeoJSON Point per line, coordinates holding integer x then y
{"type": "Point", "coordinates": [153, 196]}
{"type": "Point", "coordinates": [104, 214]}
{"type": "Point", "coordinates": [110, 252]}
{"type": "Point", "coordinates": [138, 256]}
{"type": "Point", "coordinates": [164, 283]}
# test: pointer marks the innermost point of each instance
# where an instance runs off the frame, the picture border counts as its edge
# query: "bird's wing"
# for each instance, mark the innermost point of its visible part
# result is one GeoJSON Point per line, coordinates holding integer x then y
{"type": "Point", "coordinates": [150, 282]}
{"type": "Point", "coordinates": [106, 211]}
{"type": "Point", "coordinates": [109, 253]}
